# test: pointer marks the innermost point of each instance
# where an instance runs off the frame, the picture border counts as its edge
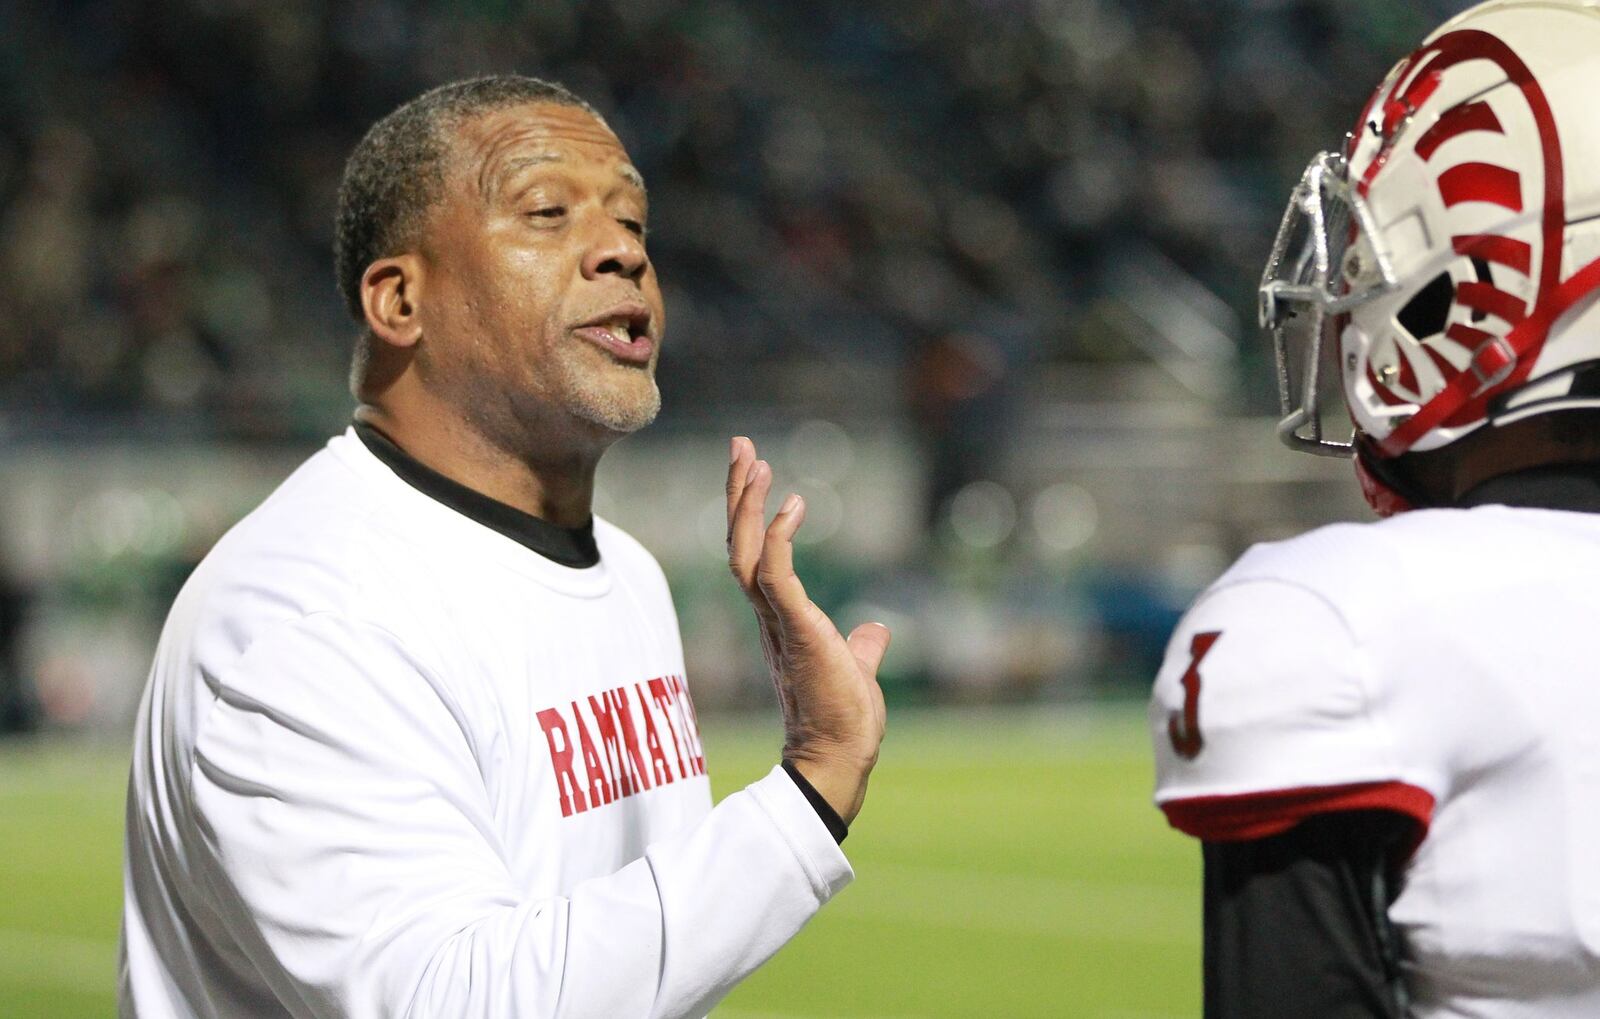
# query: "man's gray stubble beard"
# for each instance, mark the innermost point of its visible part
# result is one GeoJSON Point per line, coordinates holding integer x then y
{"type": "Point", "coordinates": [590, 398]}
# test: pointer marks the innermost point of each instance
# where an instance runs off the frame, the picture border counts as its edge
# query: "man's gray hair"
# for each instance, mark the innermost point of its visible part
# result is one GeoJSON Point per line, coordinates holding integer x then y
{"type": "Point", "coordinates": [395, 174]}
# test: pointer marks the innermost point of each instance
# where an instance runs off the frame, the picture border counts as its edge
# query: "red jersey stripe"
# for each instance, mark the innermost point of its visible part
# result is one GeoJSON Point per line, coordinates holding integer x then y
{"type": "Point", "coordinates": [1260, 815]}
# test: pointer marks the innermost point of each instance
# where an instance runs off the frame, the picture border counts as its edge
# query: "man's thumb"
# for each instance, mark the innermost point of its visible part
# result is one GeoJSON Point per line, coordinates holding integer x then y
{"type": "Point", "coordinates": [868, 642]}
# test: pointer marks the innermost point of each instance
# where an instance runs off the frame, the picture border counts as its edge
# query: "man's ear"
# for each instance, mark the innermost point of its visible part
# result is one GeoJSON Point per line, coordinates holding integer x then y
{"type": "Point", "coordinates": [391, 291]}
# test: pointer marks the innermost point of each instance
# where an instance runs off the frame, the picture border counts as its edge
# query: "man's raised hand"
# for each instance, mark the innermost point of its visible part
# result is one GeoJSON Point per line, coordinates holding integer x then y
{"type": "Point", "coordinates": [833, 713]}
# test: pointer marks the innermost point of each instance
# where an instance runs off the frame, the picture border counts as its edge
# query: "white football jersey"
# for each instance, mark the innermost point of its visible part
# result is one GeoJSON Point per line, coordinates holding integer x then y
{"type": "Point", "coordinates": [1442, 664]}
{"type": "Point", "coordinates": [393, 763]}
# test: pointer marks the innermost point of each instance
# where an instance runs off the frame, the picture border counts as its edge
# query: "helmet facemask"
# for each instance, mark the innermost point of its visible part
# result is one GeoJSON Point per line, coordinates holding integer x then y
{"type": "Point", "coordinates": [1327, 260]}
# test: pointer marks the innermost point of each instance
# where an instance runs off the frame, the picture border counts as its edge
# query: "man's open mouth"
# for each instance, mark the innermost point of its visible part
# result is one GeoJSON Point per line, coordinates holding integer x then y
{"type": "Point", "coordinates": [623, 332]}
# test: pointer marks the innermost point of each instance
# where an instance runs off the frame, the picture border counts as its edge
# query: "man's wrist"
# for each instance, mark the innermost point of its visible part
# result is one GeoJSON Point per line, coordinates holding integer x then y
{"type": "Point", "coordinates": [836, 825]}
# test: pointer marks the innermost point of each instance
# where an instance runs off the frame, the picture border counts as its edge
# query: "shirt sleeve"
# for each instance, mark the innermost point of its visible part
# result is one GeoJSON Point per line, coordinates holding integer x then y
{"type": "Point", "coordinates": [348, 850]}
{"type": "Point", "coordinates": [1264, 714]}
{"type": "Point", "coordinates": [1302, 917]}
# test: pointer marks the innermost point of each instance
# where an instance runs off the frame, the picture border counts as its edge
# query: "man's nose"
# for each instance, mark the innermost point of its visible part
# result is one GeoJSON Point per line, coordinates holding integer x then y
{"type": "Point", "coordinates": [618, 251]}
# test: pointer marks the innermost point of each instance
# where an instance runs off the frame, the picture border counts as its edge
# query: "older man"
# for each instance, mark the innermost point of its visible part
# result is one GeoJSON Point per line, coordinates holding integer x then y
{"type": "Point", "coordinates": [417, 741]}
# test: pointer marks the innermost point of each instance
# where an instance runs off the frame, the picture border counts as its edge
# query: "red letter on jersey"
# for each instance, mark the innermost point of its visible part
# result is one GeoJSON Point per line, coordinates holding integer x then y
{"type": "Point", "coordinates": [658, 757]}
{"type": "Point", "coordinates": [663, 698]}
{"type": "Point", "coordinates": [599, 782]}
{"type": "Point", "coordinates": [623, 713]}
{"type": "Point", "coordinates": [566, 780]}
{"type": "Point", "coordinates": [611, 739]}
{"type": "Point", "coordinates": [1184, 730]}
{"type": "Point", "coordinates": [691, 724]}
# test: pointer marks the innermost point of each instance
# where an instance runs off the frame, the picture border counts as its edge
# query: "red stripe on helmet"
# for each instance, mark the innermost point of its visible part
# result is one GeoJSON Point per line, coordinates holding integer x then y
{"type": "Point", "coordinates": [1467, 336]}
{"type": "Point", "coordinates": [1415, 69]}
{"type": "Point", "coordinates": [1458, 120]}
{"type": "Point", "coordinates": [1481, 182]}
{"type": "Point", "coordinates": [1377, 99]}
{"type": "Point", "coordinates": [1422, 87]}
{"type": "Point", "coordinates": [1507, 251]}
{"type": "Point", "coordinates": [1490, 299]}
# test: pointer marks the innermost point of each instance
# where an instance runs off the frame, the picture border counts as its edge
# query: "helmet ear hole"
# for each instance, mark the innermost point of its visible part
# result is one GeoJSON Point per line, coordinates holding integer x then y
{"type": "Point", "coordinates": [1425, 314]}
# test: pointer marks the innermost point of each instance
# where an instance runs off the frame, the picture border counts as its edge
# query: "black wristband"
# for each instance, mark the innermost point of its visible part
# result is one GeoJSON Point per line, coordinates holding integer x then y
{"type": "Point", "coordinates": [830, 817]}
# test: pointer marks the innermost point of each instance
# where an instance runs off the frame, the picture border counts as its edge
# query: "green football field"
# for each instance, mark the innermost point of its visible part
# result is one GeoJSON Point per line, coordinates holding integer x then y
{"type": "Point", "coordinates": [1007, 864]}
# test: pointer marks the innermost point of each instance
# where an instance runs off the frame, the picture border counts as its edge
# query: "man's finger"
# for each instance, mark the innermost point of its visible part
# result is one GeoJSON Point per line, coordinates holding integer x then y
{"type": "Point", "coordinates": [746, 524]}
{"type": "Point", "coordinates": [775, 574]}
{"type": "Point", "coordinates": [741, 454]}
{"type": "Point", "coordinates": [868, 643]}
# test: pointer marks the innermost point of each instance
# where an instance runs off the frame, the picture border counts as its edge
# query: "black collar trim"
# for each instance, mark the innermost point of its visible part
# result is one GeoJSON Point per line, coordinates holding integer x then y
{"type": "Point", "coordinates": [574, 547]}
{"type": "Point", "coordinates": [1574, 487]}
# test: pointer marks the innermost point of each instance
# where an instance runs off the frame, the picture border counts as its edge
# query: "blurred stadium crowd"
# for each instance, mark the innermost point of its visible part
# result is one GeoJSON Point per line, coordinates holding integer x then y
{"type": "Point", "coordinates": [933, 219]}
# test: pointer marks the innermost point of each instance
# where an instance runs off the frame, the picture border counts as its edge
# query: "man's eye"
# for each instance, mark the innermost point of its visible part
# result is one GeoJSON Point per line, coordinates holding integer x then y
{"type": "Point", "coordinates": [549, 212]}
{"type": "Point", "coordinates": [633, 226]}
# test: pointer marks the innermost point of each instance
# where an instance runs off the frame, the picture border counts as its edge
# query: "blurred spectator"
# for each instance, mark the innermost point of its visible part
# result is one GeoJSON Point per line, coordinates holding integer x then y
{"type": "Point", "coordinates": [959, 411]}
{"type": "Point", "coordinates": [19, 710]}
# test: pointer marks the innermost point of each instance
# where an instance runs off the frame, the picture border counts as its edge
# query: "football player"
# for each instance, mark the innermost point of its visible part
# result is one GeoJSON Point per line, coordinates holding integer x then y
{"type": "Point", "coordinates": [1387, 735]}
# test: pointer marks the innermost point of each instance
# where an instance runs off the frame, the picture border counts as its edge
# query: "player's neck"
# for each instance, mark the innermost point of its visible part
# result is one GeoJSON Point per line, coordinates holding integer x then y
{"type": "Point", "coordinates": [557, 489]}
{"type": "Point", "coordinates": [1545, 441]}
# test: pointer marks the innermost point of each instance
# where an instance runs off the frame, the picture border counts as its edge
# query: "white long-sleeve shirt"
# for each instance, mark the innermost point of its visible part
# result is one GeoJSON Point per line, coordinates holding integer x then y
{"type": "Point", "coordinates": [1437, 666]}
{"type": "Point", "coordinates": [391, 762]}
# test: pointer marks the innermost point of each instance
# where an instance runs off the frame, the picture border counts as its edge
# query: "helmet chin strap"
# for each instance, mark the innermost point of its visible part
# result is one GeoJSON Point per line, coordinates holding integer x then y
{"type": "Point", "coordinates": [1378, 487]}
{"type": "Point", "coordinates": [1493, 362]}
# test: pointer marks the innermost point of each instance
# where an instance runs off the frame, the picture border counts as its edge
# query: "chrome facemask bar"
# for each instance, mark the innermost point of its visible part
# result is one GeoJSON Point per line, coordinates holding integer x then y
{"type": "Point", "coordinates": [1326, 260]}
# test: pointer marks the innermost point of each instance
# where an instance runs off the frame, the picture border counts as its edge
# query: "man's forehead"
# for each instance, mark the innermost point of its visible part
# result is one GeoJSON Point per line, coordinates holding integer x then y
{"type": "Point", "coordinates": [501, 142]}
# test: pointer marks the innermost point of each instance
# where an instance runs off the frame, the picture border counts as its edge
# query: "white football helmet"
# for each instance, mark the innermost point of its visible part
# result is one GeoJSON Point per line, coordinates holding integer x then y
{"type": "Point", "coordinates": [1443, 266]}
